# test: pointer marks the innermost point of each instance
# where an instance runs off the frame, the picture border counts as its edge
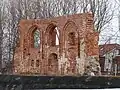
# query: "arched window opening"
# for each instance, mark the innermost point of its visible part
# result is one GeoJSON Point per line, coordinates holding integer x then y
{"type": "Point", "coordinates": [37, 63]}
{"type": "Point", "coordinates": [32, 63]}
{"type": "Point", "coordinates": [54, 37]}
{"type": "Point", "coordinates": [71, 38]}
{"type": "Point", "coordinates": [53, 63]}
{"type": "Point", "coordinates": [57, 36]}
{"type": "Point", "coordinates": [53, 57]}
{"type": "Point", "coordinates": [36, 38]}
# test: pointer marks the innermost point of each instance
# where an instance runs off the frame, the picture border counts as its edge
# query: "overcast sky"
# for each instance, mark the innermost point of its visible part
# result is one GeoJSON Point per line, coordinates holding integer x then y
{"type": "Point", "coordinates": [112, 31]}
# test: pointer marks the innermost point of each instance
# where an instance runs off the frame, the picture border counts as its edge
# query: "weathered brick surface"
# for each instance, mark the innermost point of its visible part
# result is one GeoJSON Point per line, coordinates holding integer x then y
{"type": "Point", "coordinates": [77, 43]}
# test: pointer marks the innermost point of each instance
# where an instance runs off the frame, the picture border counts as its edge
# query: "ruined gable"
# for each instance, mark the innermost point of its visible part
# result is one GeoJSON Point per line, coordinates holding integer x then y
{"type": "Point", "coordinates": [62, 45]}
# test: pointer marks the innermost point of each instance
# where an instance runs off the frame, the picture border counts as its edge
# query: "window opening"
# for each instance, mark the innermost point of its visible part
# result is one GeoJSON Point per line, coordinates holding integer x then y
{"type": "Point", "coordinates": [53, 37]}
{"type": "Point", "coordinates": [57, 36]}
{"type": "Point", "coordinates": [37, 63]}
{"type": "Point", "coordinates": [71, 38]}
{"type": "Point", "coordinates": [32, 63]}
{"type": "Point", "coordinates": [36, 37]}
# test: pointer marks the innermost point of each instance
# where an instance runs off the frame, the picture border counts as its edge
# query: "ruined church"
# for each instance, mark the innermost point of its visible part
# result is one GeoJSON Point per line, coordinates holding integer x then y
{"type": "Point", "coordinates": [65, 45]}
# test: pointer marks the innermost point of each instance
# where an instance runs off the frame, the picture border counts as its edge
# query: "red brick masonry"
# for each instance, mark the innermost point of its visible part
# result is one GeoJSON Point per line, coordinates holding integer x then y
{"type": "Point", "coordinates": [78, 45]}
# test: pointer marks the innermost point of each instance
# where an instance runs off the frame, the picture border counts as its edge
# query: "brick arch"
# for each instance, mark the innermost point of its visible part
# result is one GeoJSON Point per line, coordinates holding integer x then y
{"type": "Point", "coordinates": [31, 31]}
{"type": "Point", "coordinates": [32, 28]}
{"type": "Point", "coordinates": [70, 28]}
{"type": "Point", "coordinates": [50, 34]}
{"type": "Point", "coordinates": [49, 27]}
{"type": "Point", "coordinates": [71, 36]}
{"type": "Point", "coordinates": [70, 23]}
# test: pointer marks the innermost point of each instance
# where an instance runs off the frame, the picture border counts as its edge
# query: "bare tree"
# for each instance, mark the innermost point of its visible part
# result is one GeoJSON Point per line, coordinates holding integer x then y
{"type": "Point", "coordinates": [1, 35]}
{"type": "Point", "coordinates": [12, 11]}
{"type": "Point", "coordinates": [3, 16]}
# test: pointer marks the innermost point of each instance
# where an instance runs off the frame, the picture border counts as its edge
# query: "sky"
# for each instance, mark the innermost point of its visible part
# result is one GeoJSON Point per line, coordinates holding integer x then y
{"type": "Point", "coordinates": [111, 34]}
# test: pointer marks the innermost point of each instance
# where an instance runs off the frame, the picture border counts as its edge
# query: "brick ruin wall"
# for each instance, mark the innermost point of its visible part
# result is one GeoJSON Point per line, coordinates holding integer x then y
{"type": "Point", "coordinates": [76, 54]}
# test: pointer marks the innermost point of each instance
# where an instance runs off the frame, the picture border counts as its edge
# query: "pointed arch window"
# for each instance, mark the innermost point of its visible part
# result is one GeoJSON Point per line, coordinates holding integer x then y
{"type": "Point", "coordinates": [53, 37]}
{"type": "Point", "coordinates": [36, 38]}
{"type": "Point", "coordinates": [71, 38]}
{"type": "Point", "coordinates": [57, 36]}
